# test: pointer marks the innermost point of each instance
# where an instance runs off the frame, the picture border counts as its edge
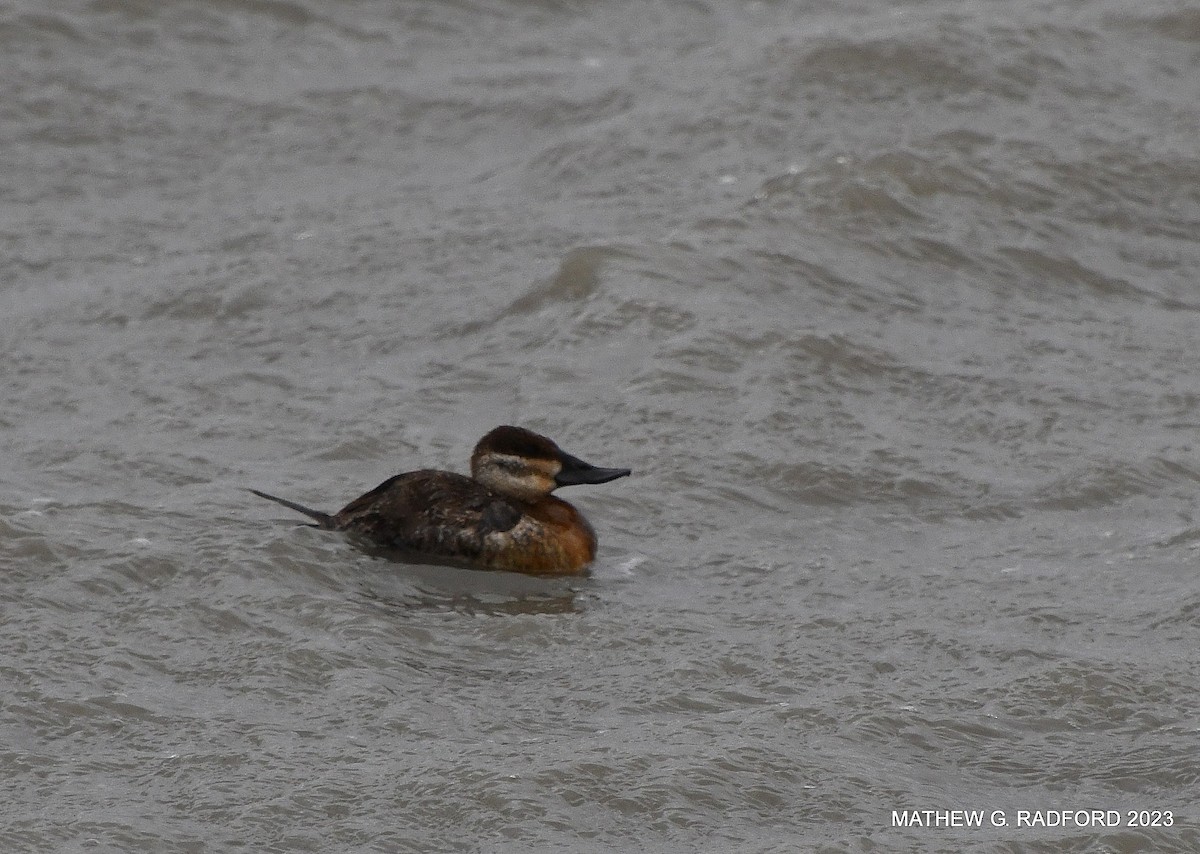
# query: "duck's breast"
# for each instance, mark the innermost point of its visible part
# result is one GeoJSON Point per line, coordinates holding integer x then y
{"type": "Point", "coordinates": [551, 538]}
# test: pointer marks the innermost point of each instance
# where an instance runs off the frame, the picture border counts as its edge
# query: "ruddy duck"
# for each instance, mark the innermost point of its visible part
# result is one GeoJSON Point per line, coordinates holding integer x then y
{"type": "Point", "coordinates": [501, 517]}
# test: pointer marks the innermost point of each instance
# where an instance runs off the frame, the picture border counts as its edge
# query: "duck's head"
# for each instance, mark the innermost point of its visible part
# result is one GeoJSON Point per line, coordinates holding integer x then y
{"type": "Point", "coordinates": [524, 465]}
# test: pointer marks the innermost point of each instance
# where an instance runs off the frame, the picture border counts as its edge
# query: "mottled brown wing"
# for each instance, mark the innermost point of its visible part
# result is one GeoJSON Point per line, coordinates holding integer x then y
{"type": "Point", "coordinates": [435, 512]}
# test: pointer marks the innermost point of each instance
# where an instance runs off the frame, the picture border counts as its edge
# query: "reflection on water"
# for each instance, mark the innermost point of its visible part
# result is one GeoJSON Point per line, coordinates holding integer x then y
{"type": "Point", "coordinates": [404, 585]}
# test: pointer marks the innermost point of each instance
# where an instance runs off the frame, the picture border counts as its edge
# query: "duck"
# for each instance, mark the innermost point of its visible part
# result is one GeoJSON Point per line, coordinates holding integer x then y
{"type": "Point", "coordinates": [502, 517]}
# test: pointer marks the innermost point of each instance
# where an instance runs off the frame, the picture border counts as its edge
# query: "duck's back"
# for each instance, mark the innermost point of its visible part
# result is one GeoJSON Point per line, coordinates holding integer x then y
{"type": "Point", "coordinates": [436, 512]}
{"type": "Point", "coordinates": [451, 516]}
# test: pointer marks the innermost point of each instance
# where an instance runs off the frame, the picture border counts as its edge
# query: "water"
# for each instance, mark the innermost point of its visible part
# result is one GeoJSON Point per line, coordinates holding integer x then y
{"type": "Point", "coordinates": [891, 306]}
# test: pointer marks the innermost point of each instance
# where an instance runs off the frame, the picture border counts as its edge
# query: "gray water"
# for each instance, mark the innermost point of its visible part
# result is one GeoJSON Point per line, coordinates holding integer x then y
{"type": "Point", "coordinates": [893, 307]}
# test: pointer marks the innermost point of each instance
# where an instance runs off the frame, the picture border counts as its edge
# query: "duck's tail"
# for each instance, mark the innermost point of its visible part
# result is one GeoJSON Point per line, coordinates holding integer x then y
{"type": "Point", "coordinates": [324, 520]}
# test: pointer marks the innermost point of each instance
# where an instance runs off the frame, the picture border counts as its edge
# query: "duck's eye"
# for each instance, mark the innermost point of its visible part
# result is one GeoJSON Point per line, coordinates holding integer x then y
{"type": "Point", "coordinates": [510, 465]}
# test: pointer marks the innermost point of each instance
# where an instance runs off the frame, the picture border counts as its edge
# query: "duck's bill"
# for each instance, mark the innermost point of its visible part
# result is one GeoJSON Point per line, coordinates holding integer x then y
{"type": "Point", "coordinates": [576, 471]}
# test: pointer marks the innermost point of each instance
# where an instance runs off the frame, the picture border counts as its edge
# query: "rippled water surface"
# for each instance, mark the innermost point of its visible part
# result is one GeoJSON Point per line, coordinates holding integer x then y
{"type": "Point", "coordinates": [893, 307]}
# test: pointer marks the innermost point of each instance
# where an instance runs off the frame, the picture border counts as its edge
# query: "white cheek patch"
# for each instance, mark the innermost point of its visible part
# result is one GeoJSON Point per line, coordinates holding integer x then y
{"type": "Point", "coordinates": [524, 468]}
{"type": "Point", "coordinates": [515, 466]}
{"type": "Point", "coordinates": [520, 477]}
